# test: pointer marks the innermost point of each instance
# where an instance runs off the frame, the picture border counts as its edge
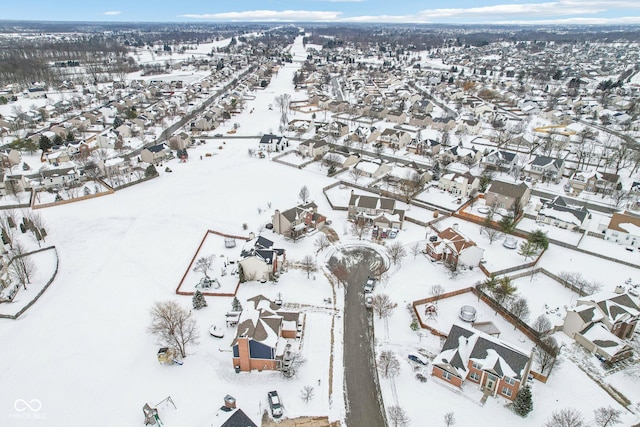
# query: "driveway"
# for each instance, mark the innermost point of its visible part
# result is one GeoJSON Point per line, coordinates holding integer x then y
{"type": "Point", "coordinates": [363, 398]}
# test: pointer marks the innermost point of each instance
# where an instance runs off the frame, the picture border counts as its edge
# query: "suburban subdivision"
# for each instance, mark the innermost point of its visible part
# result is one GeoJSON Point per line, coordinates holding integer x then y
{"type": "Point", "coordinates": [320, 224]}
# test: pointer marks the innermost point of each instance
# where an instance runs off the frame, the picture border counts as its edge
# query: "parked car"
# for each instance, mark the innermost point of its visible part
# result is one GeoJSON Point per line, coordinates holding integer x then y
{"type": "Point", "coordinates": [369, 285]}
{"type": "Point", "coordinates": [368, 301]}
{"type": "Point", "coordinates": [416, 359]}
{"type": "Point", "coordinates": [274, 404]}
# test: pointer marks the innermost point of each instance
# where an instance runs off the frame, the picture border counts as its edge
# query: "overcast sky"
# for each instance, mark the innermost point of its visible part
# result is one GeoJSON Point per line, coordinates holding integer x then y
{"type": "Point", "coordinates": [399, 11]}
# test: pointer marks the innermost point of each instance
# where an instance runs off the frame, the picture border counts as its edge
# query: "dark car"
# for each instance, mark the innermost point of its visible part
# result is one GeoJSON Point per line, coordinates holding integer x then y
{"type": "Point", "coordinates": [416, 359]}
{"type": "Point", "coordinates": [274, 404]}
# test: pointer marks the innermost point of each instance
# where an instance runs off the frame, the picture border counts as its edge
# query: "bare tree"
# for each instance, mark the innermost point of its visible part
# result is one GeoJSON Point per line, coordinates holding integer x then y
{"type": "Point", "coordinates": [383, 306]}
{"type": "Point", "coordinates": [396, 252]}
{"type": "Point", "coordinates": [308, 264]}
{"type": "Point", "coordinates": [360, 227]}
{"type": "Point", "coordinates": [38, 224]}
{"type": "Point", "coordinates": [542, 324]}
{"type": "Point", "coordinates": [545, 357]}
{"type": "Point", "coordinates": [22, 267]}
{"type": "Point", "coordinates": [520, 309]}
{"type": "Point", "coordinates": [203, 265]}
{"type": "Point", "coordinates": [436, 292]}
{"type": "Point", "coordinates": [449, 419]}
{"type": "Point", "coordinates": [304, 194]}
{"type": "Point", "coordinates": [322, 243]}
{"type": "Point", "coordinates": [306, 394]}
{"type": "Point", "coordinates": [567, 417]}
{"type": "Point", "coordinates": [388, 364]}
{"type": "Point", "coordinates": [355, 174]}
{"type": "Point", "coordinates": [173, 325]}
{"type": "Point", "coordinates": [608, 416]}
{"type": "Point", "coordinates": [416, 249]}
{"type": "Point", "coordinates": [398, 417]}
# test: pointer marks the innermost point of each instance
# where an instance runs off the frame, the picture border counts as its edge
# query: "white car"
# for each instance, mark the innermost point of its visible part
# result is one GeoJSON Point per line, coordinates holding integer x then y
{"type": "Point", "coordinates": [368, 301]}
{"type": "Point", "coordinates": [369, 285]}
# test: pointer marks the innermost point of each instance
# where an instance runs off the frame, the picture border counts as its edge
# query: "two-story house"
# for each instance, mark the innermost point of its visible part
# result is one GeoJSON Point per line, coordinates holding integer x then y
{"type": "Point", "coordinates": [454, 248]}
{"type": "Point", "coordinates": [601, 322]}
{"type": "Point", "coordinates": [313, 148]}
{"type": "Point", "coordinates": [624, 229]}
{"type": "Point", "coordinates": [379, 211]}
{"type": "Point", "coordinates": [263, 331]}
{"type": "Point", "coordinates": [504, 195]}
{"type": "Point", "coordinates": [543, 169]}
{"type": "Point", "coordinates": [497, 367]}
{"type": "Point", "coordinates": [560, 213]}
{"type": "Point", "coordinates": [296, 221]}
{"type": "Point", "coordinates": [464, 185]}
{"type": "Point", "coordinates": [260, 260]}
{"type": "Point", "coordinates": [594, 181]}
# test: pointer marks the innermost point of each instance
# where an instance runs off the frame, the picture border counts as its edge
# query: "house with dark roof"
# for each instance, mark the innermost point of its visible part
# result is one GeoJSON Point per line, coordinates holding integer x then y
{"type": "Point", "coordinates": [259, 260]}
{"type": "Point", "coordinates": [500, 160]}
{"type": "Point", "coordinates": [238, 419]}
{"type": "Point", "coordinates": [601, 322]}
{"type": "Point", "coordinates": [379, 211]}
{"type": "Point", "coordinates": [560, 213]}
{"type": "Point", "coordinates": [543, 169]}
{"type": "Point", "coordinates": [453, 248]}
{"type": "Point", "coordinates": [594, 181]}
{"type": "Point", "coordinates": [493, 365]}
{"type": "Point", "coordinates": [295, 222]}
{"type": "Point", "coordinates": [270, 142]}
{"type": "Point", "coordinates": [313, 147]}
{"type": "Point", "coordinates": [504, 195]}
{"type": "Point", "coordinates": [155, 154]}
{"type": "Point", "coordinates": [624, 229]}
{"type": "Point", "coordinates": [263, 333]}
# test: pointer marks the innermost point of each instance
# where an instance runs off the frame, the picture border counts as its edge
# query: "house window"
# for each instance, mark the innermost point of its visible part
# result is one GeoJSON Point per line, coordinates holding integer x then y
{"type": "Point", "coordinates": [506, 391]}
{"type": "Point", "coordinates": [476, 365]}
{"type": "Point", "coordinates": [446, 375]}
{"type": "Point", "coordinates": [509, 380]}
{"type": "Point", "coordinates": [474, 376]}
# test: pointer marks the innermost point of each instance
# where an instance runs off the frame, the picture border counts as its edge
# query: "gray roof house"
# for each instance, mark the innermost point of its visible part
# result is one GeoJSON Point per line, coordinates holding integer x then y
{"type": "Point", "coordinates": [507, 196]}
{"type": "Point", "coordinates": [560, 213]}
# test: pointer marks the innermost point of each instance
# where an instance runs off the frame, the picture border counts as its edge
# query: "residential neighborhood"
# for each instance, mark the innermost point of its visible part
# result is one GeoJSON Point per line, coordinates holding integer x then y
{"type": "Point", "coordinates": [447, 218]}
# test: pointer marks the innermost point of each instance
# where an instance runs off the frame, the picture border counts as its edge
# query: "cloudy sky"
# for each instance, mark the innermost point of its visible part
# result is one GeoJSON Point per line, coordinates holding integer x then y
{"type": "Point", "coordinates": [399, 11]}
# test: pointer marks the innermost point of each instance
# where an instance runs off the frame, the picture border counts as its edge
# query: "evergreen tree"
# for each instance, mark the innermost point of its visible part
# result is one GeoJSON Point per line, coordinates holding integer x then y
{"type": "Point", "coordinates": [150, 171]}
{"type": "Point", "coordinates": [539, 239]}
{"type": "Point", "coordinates": [199, 301]}
{"type": "Point", "coordinates": [57, 140]}
{"type": "Point", "coordinates": [235, 304]}
{"type": "Point", "coordinates": [44, 143]}
{"type": "Point", "coordinates": [523, 404]}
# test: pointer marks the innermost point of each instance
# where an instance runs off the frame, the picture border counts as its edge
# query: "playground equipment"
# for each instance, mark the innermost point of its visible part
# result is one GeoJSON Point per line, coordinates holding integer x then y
{"type": "Point", "coordinates": [151, 416]}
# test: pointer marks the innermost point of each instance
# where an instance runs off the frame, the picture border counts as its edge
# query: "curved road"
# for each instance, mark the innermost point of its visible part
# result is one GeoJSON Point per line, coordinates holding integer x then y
{"type": "Point", "coordinates": [363, 398]}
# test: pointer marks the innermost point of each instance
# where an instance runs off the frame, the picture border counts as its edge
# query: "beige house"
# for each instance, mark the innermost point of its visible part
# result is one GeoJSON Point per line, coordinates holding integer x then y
{"type": "Point", "coordinates": [313, 148]}
{"type": "Point", "coordinates": [504, 195]}
{"type": "Point", "coordinates": [297, 221]}
{"type": "Point", "coordinates": [155, 154]}
{"type": "Point", "coordinates": [394, 138]}
{"type": "Point", "coordinates": [464, 185]}
{"type": "Point", "coordinates": [10, 157]}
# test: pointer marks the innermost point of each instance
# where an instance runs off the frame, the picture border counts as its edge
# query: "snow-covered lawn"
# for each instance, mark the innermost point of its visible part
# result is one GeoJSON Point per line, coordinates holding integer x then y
{"type": "Point", "coordinates": [545, 296]}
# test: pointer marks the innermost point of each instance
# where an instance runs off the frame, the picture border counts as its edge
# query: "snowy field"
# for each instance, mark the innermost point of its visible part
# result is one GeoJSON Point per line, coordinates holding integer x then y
{"type": "Point", "coordinates": [545, 296]}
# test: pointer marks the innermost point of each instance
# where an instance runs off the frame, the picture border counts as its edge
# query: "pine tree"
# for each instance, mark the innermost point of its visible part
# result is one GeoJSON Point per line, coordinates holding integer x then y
{"type": "Point", "coordinates": [235, 304]}
{"type": "Point", "coordinates": [199, 301]}
{"type": "Point", "coordinates": [523, 403]}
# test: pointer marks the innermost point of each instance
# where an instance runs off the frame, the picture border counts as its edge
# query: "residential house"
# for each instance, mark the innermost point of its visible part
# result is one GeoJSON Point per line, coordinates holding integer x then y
{"type": "Point", "coordinates": [156, 154]}
{"type": "Point", "coordinates": [379, 211]}
{"type": "Point", "coordinates": [335, 129]}
{"type": "Point", "coordinates": [57, 178]}
{"type": "Point", "coordinates": [594, 181]}
{"type": "Point", "coordinates": [180, 141]}
{"type": "Point", "coordinates": [397, 116]}
{"type": "Point", "coordinates": [468, 156]}
{"type": "Point", "coordinates": [624, 229]}
{"type": "Point", "coordinates": [272, 143]}
{"type": "Point", "coordinates": [372, 168]}
{"type": "Point", "coordinates": [497, 367]}
{"type": "Point", "coordinates": [422, 106]}
{"type": "Point", "coordinates": [408, 176]}
{"type": "Point", "coordinates": [264, 329]}
{"type": "Point", "coordinates": [394, 139]}
{"type": "Point", "coordinates": [58, 155]}
{"type": "Point", "coordinates": [10, 158]}
{"type": "Point", "coordinates": [601, 322]}
{"type": "Point", "coordinates": [500, 160]}
{"type": "Point", "coordinates": [559, 212]}
{"type": "Point", "coordinates": [259, 260]}
{"type": "Point", "coordinates": [313, 148]}
{"type": "Point", "coordinates": [296, 221]}
{"type": "Point", "coordinates": [12, 184]}
{"type": "Point", "coordinates": [465, 185]}
{"type": "Point", "coordinates": [340, 159]}
{"type": "Point", "coordinates": [453, 248]}
{"type": "Point", "coordinates": [505, 195]}
{"type": "Point", "coordinates": [543, 169]}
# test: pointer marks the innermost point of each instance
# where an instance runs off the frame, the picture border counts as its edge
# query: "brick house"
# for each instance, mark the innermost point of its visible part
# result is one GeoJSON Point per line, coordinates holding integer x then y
{"type": "Point", "coordinates": [296, 221]}
{"type": "Point", "coordinates": [262, 335]}
{"type": "Point", "coordinates": [496, 367]}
